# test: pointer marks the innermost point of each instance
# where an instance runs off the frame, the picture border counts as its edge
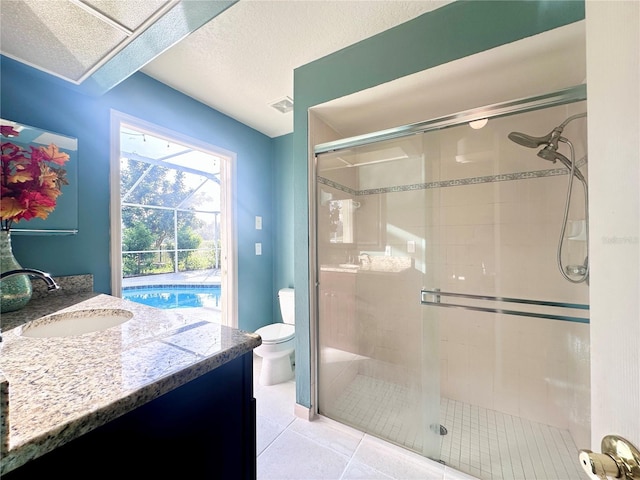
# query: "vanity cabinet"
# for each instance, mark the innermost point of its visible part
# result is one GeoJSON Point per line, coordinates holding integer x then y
{"type": "Point", "coordinates": [205, 429]}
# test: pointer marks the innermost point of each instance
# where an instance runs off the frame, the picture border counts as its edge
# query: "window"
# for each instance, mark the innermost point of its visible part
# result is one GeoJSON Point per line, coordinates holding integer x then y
{"type": "Point", "coordinates": [171, 211]}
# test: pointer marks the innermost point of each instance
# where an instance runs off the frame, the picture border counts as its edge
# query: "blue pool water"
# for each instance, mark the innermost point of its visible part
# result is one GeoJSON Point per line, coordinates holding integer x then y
{"type": "Point", "coordinates": [174, 296]}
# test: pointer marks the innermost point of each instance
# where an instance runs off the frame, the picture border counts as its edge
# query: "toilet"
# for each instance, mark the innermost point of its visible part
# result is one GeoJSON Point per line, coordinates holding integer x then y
{"type": "Point", "coordinates": [278, 343]}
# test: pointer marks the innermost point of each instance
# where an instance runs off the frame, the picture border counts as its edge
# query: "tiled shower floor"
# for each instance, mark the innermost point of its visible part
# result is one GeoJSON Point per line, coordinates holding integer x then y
{"type": "Point", "coordinates": [485, 443]}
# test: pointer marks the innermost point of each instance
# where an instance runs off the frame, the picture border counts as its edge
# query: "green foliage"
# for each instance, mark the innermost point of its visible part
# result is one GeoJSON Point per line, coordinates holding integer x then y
{"type": "Point", "coordinates": [148, 228]}
{"type": "Point", "coordinates": [162, 187]}
{"type": "Point", "coordinates": [136, 238]}
{"type": "Point", "coordinates": [187, 240]}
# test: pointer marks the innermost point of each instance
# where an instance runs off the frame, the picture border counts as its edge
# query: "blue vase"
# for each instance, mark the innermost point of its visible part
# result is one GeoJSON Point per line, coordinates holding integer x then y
{"type": "Point", "coordinates": [15, 291]}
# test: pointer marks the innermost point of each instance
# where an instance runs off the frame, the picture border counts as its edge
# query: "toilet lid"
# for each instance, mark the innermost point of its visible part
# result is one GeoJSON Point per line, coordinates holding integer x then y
{"type": "Point", "coordinates": [276, 332]}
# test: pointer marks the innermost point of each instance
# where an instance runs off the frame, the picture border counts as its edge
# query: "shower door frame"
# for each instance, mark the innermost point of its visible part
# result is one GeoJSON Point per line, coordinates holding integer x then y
{"type": "Point", "coordinates": [565, 96]}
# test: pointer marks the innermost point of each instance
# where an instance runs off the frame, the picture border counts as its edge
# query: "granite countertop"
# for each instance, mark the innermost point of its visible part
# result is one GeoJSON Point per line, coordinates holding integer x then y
{"type": "Point", "coordinates": [376, 264]}
{"type": "Point", "coordinates": [60, 388]}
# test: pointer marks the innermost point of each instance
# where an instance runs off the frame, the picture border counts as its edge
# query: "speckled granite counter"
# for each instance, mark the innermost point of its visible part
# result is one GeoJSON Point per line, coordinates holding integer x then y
{"type": "Point", "coordinates": [61, 388]}
{"type": "Point", "coordinates": [373, 264]}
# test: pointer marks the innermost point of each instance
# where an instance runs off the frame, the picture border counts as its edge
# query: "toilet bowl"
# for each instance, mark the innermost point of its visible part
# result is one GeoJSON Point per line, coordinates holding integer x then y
{"type": "Point", "coordinates": [278, 343]}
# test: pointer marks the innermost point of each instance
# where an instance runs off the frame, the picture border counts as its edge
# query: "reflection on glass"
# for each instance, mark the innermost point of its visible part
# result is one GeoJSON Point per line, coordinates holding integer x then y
{"type": "Point", "coordinates": [473, 212]}
{"type": "Point", "coordinates": [378, 366]}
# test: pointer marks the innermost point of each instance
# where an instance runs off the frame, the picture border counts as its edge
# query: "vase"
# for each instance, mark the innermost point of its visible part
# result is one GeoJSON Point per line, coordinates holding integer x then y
{"type": "Point", "coordinates": [15, 291]}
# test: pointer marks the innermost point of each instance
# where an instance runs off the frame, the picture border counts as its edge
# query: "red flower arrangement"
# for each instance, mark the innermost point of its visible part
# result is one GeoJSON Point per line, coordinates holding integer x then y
{"type": "Point", "coordinates": [30, 181]}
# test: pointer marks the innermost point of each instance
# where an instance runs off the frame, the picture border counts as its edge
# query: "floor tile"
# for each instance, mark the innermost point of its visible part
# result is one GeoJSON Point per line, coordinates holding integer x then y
{"type": "Point", "coordinates": [359, 471]}
{"type": "Point", "coordinates": [328, 435]}
{"type": "Point", "coordinates": [266, 432]}
{"type": "Point", "coordinates": [396, 462]}
{"type": "Point", "coordinates": [296, 457]}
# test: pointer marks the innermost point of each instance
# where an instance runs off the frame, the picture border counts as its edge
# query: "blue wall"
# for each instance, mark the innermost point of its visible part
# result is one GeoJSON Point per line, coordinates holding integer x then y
{"type": "Point", "coordinates": [283, 216]}
{"type": "Point", "coordinates": [29, 97]}
{"type": "Point", "coordinates": [449, 33]}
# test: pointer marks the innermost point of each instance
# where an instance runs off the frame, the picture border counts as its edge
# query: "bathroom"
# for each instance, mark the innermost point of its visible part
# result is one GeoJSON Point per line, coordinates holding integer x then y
{"type": "Point", "coordinates": [349, 112]}
{"type": "Point", "coordinates": [613, 290]}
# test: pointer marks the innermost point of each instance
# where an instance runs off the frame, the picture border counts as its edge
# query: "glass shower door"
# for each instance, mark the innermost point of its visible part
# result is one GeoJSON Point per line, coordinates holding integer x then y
{"type": "Point", "coordinates": [378, 362]}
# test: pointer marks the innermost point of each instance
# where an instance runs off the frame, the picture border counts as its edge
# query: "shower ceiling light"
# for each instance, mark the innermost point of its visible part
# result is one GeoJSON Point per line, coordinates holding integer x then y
{"type": "Point", "coordinates": [478, 124]}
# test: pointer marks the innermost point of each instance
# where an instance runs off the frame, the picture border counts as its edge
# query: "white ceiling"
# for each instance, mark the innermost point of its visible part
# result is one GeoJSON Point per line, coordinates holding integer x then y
{"type": "Point", "coordinates": [239, 63]}
{"type": "Point", "coordinates": [243, 60]}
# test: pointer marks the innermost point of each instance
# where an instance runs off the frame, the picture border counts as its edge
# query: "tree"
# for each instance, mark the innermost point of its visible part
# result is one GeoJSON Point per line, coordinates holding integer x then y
{"type": "Point", "coordinates": [188, 239]}
{"type": "Point", "coordinates": [136, 238]}
{"type": "Point", "coordinates": [160, 186]}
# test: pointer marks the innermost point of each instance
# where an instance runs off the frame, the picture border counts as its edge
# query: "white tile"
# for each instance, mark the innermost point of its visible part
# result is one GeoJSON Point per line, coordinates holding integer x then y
{"type": "Point", "coordinates": [359, 471]}
{"type": "Point", "coordinates": [294, 456]}
{"type": "Point", "coordinates": [329, 434]}
{"type": "Point", "coordinates": [266, 431]}
{"type": "Point", "coordinates": [486, 443]}
{"type": "Point", "coordinates": [396, 462]}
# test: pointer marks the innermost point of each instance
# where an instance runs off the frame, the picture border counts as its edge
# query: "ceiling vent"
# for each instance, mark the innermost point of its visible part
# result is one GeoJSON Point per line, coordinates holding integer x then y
{"type": "Point", "coordinates": [284, 105]}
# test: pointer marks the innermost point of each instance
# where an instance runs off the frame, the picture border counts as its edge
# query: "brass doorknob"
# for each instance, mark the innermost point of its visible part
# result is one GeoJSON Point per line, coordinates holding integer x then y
{"type": "Point", "coordinates": [619, 459]}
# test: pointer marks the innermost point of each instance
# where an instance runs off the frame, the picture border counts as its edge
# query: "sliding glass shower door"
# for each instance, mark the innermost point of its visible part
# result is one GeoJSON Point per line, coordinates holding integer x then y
{"type": "Point", "coordinates": [378, 364]}
{"type": "Point", "coordinates": [445, 322]}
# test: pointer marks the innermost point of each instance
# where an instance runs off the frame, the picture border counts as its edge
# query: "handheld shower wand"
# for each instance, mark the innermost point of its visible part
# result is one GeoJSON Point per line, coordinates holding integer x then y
{"type": "Point", "coordinates": [550, 152]}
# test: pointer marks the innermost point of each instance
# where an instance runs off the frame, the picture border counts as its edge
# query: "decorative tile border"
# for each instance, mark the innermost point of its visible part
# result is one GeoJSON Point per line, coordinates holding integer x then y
{"type": "Point", "coordinates": [451, 183]}
{"type": "Point", "coordinates": [337, 186]}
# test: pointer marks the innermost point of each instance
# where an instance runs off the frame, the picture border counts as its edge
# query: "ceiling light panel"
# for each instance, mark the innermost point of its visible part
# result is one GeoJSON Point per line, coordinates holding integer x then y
{"type": "Point", "coordinates": [131, 15]}
{"type": "Point", "coordinates": [67, 38]}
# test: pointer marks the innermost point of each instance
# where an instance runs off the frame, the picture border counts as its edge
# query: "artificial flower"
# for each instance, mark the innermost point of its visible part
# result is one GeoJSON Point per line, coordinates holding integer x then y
{"type": "Point", "coordinates": [30, 180]}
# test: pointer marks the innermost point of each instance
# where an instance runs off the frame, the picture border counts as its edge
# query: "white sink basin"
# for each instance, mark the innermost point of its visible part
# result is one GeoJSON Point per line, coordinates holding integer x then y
{"type": "Point", "coordinates": [79, 322]}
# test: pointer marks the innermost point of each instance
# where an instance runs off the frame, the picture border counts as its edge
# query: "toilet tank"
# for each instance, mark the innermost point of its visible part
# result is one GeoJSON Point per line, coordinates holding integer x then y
{"type": "Point", "coordinates": [287, 305]}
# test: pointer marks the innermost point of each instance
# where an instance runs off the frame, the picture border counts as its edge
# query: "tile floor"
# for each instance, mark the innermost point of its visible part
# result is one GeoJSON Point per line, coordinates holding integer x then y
{"type": "Point", "coordinates": [295, 449]}
{"type": "Point", "coordinates": [495, 446]}
{"type": "Point", "coordinates": [488, 444]}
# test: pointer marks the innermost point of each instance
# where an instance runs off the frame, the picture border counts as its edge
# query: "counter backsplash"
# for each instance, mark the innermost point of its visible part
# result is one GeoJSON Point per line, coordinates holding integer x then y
{"type": "Point", "coordinates": [68, 285]}
{"type": "Point", "coordinates": [73, 289]}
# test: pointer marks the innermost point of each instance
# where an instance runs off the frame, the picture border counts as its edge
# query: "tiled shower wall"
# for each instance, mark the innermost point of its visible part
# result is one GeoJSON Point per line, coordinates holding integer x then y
{"type": "Point", "coordinates": [484, 215]}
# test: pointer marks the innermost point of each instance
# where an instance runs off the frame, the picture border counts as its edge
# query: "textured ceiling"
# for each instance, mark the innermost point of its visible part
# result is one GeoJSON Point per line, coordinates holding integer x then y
{"type": "Point", "coordinates": [38, 33]}
{"type": "Point", "coordinates": [243, 60]}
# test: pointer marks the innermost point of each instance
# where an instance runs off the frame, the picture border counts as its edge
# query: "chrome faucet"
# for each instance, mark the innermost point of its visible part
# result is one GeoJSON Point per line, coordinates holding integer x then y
{"type": "Point", "coordinates": [51, 284]}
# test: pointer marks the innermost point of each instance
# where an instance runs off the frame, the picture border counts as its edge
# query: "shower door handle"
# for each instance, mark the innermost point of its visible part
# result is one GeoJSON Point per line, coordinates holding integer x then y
{"type": "Point", "coordinates": [429, 296]}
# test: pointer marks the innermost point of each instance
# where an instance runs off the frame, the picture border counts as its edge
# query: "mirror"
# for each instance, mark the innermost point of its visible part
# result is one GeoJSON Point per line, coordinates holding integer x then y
{"type": "Point", "coordinates": [63, 220]}
{"type": "Point", "coordinates": [341, 217]}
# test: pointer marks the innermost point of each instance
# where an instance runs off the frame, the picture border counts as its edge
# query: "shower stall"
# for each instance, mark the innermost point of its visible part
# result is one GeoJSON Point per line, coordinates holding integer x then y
{"type": "Point", "coordinates": [443, 324]}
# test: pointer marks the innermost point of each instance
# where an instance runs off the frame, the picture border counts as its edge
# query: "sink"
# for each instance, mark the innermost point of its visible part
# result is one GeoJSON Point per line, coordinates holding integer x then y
{"type": "Point", "coordinates": [79, 322]}
{"type": "Point", "coordinates": [349, 265]}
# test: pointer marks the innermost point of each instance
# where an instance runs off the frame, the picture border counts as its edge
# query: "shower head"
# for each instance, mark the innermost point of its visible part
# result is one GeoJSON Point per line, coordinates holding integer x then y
{"type": "Point", "coordinates": [551, 154]}
{"type": "Point", "coordinates": [551, 139]}
{"type": "Point", "coordinates": [525, 140]}
{"type": "Point", "coordinates": [529, 141]}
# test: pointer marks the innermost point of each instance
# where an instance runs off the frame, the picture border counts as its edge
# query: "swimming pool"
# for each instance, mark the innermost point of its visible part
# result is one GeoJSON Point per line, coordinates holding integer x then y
{"type": "Point", "coordinates": [174, 296]}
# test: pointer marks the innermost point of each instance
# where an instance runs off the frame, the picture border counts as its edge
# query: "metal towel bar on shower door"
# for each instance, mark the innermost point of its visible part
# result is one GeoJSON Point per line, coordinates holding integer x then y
{"type": "Point", "coordinates": [433, 297]}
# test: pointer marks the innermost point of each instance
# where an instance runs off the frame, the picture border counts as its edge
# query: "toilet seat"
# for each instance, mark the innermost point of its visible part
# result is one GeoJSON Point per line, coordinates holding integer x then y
{"type": "Point", "coordinates": [276, 333]}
